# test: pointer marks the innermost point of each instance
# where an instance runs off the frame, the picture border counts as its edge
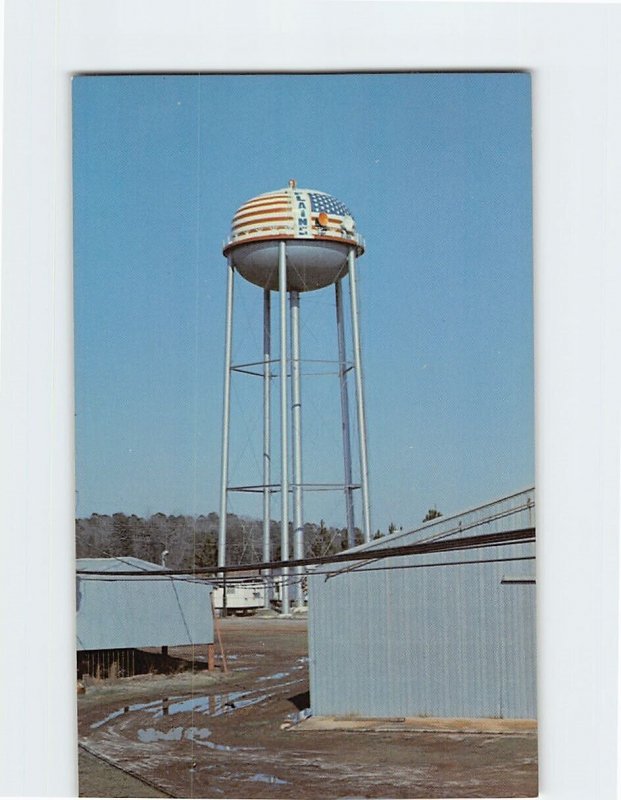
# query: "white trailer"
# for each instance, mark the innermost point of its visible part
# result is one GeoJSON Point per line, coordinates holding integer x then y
{"type": "Point", "coordinates": [243, 595]}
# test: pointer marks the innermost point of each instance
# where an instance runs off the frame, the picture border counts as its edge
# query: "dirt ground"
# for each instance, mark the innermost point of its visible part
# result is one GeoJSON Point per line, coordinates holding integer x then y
{"type": "Point", "coordinates": [216, 735]}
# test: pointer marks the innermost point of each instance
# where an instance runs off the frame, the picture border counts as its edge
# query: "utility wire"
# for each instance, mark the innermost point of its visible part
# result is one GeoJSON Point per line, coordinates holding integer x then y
{"type": "Point", "coordinates": [459, 528]}
{"type": "Point", "coordinates": [522, 535]}
{"type": "Point", "coordinates": [295, 580]}
{"type": "Point", "coordinates": [331, 574]}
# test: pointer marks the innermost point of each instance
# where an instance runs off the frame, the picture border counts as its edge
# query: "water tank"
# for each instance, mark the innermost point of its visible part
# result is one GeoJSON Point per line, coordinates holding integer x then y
{"type": "Point", "coordinates": [318, 229]}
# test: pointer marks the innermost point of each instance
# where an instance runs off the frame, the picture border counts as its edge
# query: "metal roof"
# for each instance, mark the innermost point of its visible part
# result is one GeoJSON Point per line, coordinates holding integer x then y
{"type": "Point", "coordinates": [116, 564]}
{"type": "Point", "coordinates": [496, 516]}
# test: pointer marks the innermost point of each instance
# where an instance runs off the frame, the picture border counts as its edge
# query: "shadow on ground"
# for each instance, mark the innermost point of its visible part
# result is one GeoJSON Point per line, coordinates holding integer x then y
{"type": "Point", "coordinates": [129, 662]}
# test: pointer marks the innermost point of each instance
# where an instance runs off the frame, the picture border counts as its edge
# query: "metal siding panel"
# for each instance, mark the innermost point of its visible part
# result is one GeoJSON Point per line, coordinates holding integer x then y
{"type": "Point", "coordinates": [142, 612]}
{"type": "Point", "coordinates": [399, 619]}
{"type": "Point", "coordinates": [426, 641]}
{"type": "Point", "coordinates": [519, 652]}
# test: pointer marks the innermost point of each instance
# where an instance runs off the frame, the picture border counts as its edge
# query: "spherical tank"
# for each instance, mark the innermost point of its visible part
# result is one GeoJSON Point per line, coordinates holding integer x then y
{"type": "Point", "coordinates": [318, 231]}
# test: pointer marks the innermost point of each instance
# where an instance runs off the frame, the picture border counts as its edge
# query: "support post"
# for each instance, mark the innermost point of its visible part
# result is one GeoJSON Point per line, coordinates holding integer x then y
{"type": "Point", "coordinates": [362, 428]}
{"type": "Point", "coordinates": [224, 474]}
{"type": "Point", "coordinates": [267, 383]}
{"type": "Point", "coordinates": [284, 454]}
{"type": "Point", "coordinates": [345, 422]}
{"type": "Point", "coordinates": [296, 424]}
{"type": "Point", "coordinates": [224, 603]}
{"type": "Point", "coordinates": [216, 627]}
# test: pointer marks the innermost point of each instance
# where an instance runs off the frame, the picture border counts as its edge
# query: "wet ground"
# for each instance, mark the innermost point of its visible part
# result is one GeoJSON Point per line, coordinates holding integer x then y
{"type": "Point", "coordinates": [230, 735]}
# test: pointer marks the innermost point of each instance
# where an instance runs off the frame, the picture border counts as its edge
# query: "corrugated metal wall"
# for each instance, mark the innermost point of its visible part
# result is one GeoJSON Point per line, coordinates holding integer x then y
{"type": "Point", "coordinates": [437, 638]}
{"type": "Point", "coordinates": [119, 612]}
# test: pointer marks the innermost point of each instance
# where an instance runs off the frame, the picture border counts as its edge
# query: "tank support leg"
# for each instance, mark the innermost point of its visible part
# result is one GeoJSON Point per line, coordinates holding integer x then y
{"type": "Point", "coordinates": [224, 474]}
{"type": "Point", "coordinates": [362, 428]}
{"type": "Point", "coordinates": [284, 459]}
{"type": "Point", "coordinates": [267, 384]}
{"type": "Point", "coordinates": [296, 426]}
{"type": "Point", "coordinates": [345, 421]}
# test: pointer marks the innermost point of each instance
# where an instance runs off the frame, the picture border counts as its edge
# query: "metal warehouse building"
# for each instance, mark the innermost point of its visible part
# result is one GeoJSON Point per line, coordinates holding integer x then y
{"type": "Point", "coordinates": [447, 633]}
{"type": "Point", "coordinates": [116, 610]}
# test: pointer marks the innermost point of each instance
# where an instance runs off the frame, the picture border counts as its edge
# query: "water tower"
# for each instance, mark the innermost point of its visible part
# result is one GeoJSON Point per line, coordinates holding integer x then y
{"type": "Point", "coordinates": [293, 241]}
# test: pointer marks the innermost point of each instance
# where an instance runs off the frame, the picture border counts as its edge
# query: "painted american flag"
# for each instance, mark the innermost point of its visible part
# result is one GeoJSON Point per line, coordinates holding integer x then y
{"type": "Point", "coordinates": [290, 213]}
{"type": "Point", "coordinates": [325, 202]}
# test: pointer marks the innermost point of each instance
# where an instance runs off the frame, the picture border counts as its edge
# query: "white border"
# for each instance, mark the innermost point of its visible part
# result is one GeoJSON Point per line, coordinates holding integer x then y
{"type": "Point", "coordinates": [574, 53]}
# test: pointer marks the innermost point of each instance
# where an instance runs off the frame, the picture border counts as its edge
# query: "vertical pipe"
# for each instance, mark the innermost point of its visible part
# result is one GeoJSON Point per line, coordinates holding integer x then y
{"type": "Point", "coordinates": [267, 383]}
{"type": "Point", "coordinates": [296, 428]}
{"type": "Point", "coordinates": [349, 492]}
{"type": "Point", "coordinates": [224, 474]}
{"type": "Point", "coordinates": [362, 427]}
{"type": "Point", "coordinates": [284, 449]}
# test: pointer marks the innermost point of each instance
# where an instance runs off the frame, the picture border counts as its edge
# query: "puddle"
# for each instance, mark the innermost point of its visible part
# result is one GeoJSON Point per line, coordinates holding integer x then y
{"type": "Point", "coordinates": [284, 685]}
{"type": "Point", "coordinates": [213, 705]}
{"type": "Point", "coordinates": [192, 734]}
{"type": "Point", "coordinates": [210, 705]}
{"type": "Point", "coordinates": [126, 710]}
{"type": "Point", "coordinates": [276, 677]}
{"type": "Point", "coordinates": [299, 716]}
{"type": "Point", "coordinates": [260, 777]}
{"type": "Point", "coordinates": [149, 735]}
{"type": "Point", "coordinates": [200, 736]}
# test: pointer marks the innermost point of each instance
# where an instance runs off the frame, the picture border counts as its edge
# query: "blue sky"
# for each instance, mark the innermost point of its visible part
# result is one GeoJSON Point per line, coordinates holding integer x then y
{"type": "Point", "coordinates": [436, 169]}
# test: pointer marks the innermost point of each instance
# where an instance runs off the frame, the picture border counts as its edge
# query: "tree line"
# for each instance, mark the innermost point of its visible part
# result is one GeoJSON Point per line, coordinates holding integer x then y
{"type": "Point", "coordinates": [191, 542]}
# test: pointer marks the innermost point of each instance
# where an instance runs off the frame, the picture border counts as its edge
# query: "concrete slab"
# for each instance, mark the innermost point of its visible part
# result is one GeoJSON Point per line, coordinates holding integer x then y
{"type": "Point", "coordinates": [417, 724]}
